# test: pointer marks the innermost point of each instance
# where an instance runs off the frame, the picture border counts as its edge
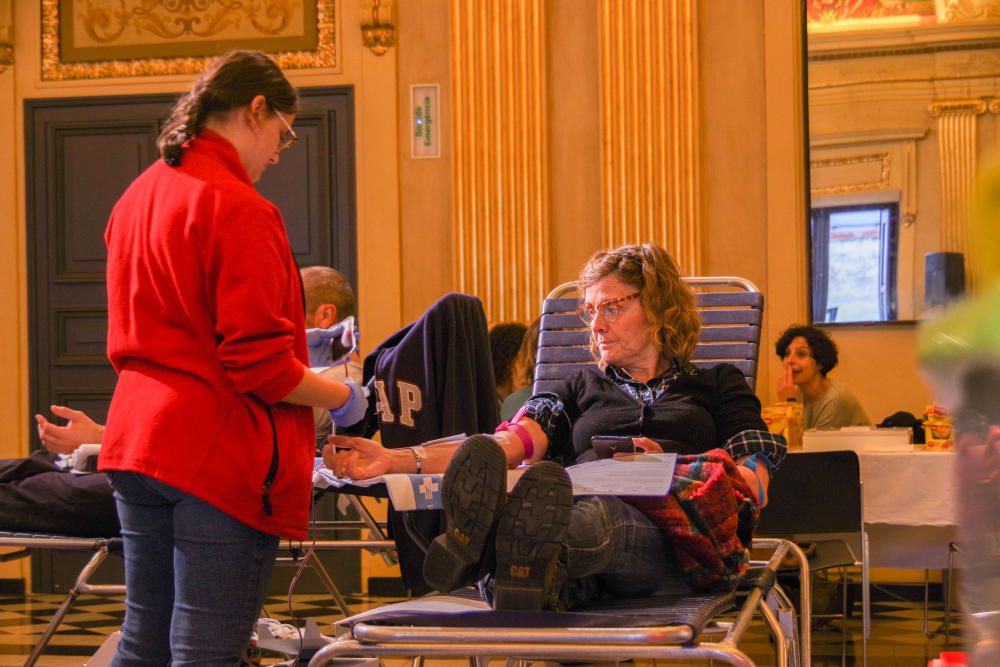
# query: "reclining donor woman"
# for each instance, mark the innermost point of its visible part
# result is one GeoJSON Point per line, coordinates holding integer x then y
{"type": "Point", "coordinates": [539, 547]}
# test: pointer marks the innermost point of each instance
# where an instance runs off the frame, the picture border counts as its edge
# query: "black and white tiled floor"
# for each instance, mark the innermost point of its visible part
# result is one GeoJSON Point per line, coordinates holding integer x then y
{"type": "Point", "coordinates": [897, 632]}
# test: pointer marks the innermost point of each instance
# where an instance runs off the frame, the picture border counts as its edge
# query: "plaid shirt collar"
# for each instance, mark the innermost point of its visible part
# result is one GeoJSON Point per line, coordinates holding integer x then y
{"type": "Point", "coordinates": [647, 392]}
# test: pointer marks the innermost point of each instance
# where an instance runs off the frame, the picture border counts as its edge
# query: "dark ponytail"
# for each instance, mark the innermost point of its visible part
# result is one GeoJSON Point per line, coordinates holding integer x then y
{"type": "Point", "coordinates": [230, 81]}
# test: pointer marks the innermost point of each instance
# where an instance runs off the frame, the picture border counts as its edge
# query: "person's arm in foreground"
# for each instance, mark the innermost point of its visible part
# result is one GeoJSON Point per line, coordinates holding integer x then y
{"type": "Point", "coordinates": [359, 458]}
{"type": "Point", "coordinates": [78, 430]}
{"type": "Point", "coordinates": [755, 450]}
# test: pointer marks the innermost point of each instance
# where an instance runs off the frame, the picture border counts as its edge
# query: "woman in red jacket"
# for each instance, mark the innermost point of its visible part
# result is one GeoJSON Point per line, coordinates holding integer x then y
{"type": "Point", "coordinates": [208, 443]}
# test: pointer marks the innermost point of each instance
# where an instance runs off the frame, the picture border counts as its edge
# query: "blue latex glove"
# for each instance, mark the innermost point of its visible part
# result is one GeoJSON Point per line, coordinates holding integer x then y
{"type": "Point", "coordinates": [331, 346]}
{"type": "Point", "coordinates": [354, 409]}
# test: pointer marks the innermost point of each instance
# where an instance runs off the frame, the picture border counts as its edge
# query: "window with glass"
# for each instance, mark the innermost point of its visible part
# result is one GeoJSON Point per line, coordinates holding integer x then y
{"type": "Point", "coordinates": [854, 263]}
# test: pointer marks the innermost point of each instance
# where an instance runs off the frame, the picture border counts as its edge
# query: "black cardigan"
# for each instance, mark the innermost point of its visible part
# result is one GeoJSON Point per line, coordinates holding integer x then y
{"type": "Point", "coordinates": [700, 410]}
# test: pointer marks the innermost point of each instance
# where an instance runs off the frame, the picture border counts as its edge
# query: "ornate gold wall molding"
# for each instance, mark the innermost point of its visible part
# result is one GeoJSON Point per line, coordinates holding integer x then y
{"type": "Point", "coordinates": [883, 162]}
{"type": "Point", "coordinates": [105, 24]}
{"type": "Point", "coordinates": [956, 124]}
{"type": "Point", "coordinates": [500, 162]}
{"type": "Point", "coordinates": [971, 108]}
{"type": "Point", "coordinates": [180, 37]}
{"type": "Point", "coordinates": [378, 25]}
{"type": "Point", "coordinates": [6, 34]}
{"type": "Point", "coordinates": [966, 10]}
{"type": "Point", "coordinates": [994, 108]}
{"type": "Point", "coordinates": [649, 126]}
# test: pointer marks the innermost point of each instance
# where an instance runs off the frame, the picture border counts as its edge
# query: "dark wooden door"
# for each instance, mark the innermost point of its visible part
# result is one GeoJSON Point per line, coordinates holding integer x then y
{"type": "Point", "coordinates": [81, 154]}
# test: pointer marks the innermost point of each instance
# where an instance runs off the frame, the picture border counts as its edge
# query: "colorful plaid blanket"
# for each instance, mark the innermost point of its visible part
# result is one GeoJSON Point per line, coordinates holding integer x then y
{"type": "Point", "coordinates": [709, 515]}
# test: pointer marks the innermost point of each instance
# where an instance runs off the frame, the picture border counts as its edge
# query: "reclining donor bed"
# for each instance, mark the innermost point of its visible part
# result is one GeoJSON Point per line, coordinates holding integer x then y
{"type": "Point", "coordinates": [669, 628]}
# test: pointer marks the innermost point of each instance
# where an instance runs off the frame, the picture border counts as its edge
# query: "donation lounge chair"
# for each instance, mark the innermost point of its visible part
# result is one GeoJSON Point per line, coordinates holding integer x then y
{"type": "Point", "coordinates": [668, 628]}
{"type": "Point", "coordinates": [102, 547]}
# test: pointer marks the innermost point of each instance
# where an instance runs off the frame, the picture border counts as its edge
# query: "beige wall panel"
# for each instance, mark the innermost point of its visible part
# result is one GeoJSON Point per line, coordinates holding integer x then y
{"type": "Point", "coordinates": [574, 136]}
{"type": "Point", "coordinates": [733, 139]}
{"type": "Point", "coordinates": [879, 364]}
{"type": "Point", "coordinates": [752, 157]}
{"type": "Point", "coordinates": [13, 385]}
{"type": "Point", "coordinates": [426, 228]}
{"type": "Point", "coordinates": [785, 286]}
{"type": "Point", "coordinates": [378, 219]}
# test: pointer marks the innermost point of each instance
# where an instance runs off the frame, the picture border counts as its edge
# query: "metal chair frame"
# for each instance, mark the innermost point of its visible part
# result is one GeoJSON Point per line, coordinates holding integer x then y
{"type": "Point", "coordinates": [805, 508]}
{"type": "Point", "coordinates": [303, 554]}
{"type": "Point", "coordinates": [27, 543]}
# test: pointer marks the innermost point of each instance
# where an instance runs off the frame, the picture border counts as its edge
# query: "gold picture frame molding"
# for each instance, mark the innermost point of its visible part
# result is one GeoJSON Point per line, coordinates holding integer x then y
{"type": "Point", "coordinates": [187, 61]}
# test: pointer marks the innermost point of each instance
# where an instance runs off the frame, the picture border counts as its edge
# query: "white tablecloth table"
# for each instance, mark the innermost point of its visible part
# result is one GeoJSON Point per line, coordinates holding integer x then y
{"type": "Point", "coordinates": [910, 507]}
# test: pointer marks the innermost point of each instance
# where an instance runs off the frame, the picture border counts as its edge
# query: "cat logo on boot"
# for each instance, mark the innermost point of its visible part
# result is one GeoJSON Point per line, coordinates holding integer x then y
{"type": "Point", "coordinates": [520, 571]}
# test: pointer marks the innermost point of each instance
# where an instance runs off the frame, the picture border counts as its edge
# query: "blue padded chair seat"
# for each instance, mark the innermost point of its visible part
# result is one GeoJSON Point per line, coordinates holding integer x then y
{"type": "Point", "coordinates": [694, 612]}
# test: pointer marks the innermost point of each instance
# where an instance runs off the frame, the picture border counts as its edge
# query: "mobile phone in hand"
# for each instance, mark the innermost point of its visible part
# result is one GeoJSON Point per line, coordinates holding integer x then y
{"type": "Point", "coordinates": [606, 446]}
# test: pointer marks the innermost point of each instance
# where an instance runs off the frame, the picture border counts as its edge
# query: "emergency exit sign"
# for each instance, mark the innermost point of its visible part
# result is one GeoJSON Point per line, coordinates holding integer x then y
{"type": "Point", "coordinates": [424, 105]}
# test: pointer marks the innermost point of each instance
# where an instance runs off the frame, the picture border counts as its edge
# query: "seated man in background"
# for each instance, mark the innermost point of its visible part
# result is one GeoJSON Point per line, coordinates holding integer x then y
{"type": "Point", "coordinates": [807, 354]}
{"type": "Point", "coordinates": [329, 301]}
{"type": "Point", "coordinates": [39, 494]}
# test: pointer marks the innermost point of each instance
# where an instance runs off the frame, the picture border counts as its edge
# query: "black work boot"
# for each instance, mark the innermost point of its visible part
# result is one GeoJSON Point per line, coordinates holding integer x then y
{"type": "Point", "coordinates": [472, 493]}
{"type": "Point", "coordinates": [530, 538]}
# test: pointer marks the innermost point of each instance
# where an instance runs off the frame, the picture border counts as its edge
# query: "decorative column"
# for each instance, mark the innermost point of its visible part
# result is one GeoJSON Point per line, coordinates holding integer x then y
{"type": "Point", "coordinates": [498, 88]}
{"type": "Point", "coordinates": [649, 125]}
{"type": "Point", "coordinates": [956, 125]}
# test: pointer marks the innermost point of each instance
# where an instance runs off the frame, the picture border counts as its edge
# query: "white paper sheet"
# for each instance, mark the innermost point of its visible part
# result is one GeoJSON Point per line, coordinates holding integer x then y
{"type": "Point", "coordinates": [639, 475]}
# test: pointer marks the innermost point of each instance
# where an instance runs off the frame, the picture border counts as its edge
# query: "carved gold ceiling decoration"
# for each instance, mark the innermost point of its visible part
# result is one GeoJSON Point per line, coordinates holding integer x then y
{"type": "Point", "coordinates": [872, 14]}
{"type": "Point", "coordinates": [830, 11]}
{"type": "Point", "coordinates": [89, 39]}
{"type": "Point", "coordinates": [968, 10]}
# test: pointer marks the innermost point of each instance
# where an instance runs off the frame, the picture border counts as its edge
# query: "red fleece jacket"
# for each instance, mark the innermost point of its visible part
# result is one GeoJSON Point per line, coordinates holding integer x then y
{"type": "Point", "coordinates": [206, 332]}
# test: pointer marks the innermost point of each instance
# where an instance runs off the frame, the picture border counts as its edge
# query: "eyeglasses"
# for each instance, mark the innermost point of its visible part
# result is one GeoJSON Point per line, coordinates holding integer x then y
{"type": "Point", "coordinates": [609, 310]}
{"type": "Point", "coordinates": [288, 137]}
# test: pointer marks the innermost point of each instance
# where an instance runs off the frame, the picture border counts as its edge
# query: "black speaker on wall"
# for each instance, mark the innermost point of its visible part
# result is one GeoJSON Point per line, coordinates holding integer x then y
{"type": "Point", "coordinates": [944, 277]}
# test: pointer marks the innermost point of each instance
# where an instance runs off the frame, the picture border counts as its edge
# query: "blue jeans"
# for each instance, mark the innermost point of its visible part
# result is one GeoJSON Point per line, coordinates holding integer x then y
{"type": "Point", "coordinates": [611, 547]}
{"type": "Point", "coordinates": [195, 576]}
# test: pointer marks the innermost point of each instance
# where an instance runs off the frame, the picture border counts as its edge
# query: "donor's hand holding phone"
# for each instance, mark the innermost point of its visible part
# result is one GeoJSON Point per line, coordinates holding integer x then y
{"type": "Point", "coordinates": [610, 446]}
